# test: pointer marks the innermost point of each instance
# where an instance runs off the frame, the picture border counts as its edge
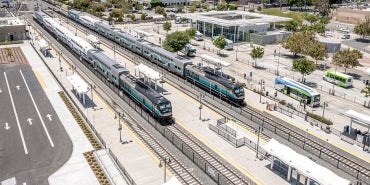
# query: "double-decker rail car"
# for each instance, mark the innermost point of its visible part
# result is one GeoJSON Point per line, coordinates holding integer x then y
{"type": "Point", "coordinates": [116, 74]}
{"type": "Point", "coordinates": [168, 60]}
{"type": "Point", "coordinates": [216, 82]}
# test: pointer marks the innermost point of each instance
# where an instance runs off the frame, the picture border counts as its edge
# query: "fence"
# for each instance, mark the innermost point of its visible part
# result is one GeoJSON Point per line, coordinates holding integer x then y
{"type": "Point", "coordinates": [96, 133]}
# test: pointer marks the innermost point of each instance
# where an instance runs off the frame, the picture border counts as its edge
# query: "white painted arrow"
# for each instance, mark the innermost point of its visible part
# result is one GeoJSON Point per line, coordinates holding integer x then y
{"type": "Point", "coordinates": [29, 121]}
{"type": "Point", "coordinates": [7, 127]}
{"type": "Point", "coordinates": [49, 116]}
{"type": "Point", "coordinates": [17, 87]}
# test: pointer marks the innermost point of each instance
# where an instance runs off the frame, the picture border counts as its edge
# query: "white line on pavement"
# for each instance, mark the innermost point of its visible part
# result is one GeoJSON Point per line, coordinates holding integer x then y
{"type": "Point", "coordinates": [37, 110]}
{"type": "Point", "coordinates": [16, 115]}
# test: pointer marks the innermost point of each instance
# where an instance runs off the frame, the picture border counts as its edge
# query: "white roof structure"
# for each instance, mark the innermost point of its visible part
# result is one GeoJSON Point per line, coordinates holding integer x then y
{"type": "Point", "coordinates": [158, 17]}
{"type": "Point", "coordinates": [145, 34]}
{"type": "Point", "coordinates": [43, 43]}
{"type": "Point", "coordinates": [148, 72]}
{"type": "Point", "coordinates": [79, 84]}
{"type": "Point", "coordinates": [214, 61]}
{"type": "Point", "coordinates": [365, 119]}
{"type": "Point", "coordinates": [367, 71]}
{"type": "Point", "coordinates": [247, 18]}
{"type": "Point", "coordinates": [303, 165]}
{"type": "Point", "coordinates": [173, 181]}
{"type": "Point", "coordinates": [92, 38]}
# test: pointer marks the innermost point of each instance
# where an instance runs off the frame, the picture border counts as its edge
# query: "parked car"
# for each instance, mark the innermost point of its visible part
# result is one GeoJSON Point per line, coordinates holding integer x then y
{"type": "Point", "coordinates": [346, 36]}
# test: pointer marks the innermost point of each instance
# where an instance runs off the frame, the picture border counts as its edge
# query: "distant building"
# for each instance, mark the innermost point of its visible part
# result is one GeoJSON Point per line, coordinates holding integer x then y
{"type": "Point", "coordinates": [239, 26]}
{"type": "Point", "coordinates": [351, 15]}
{"type": "Point", "coordinates": [12, 29]}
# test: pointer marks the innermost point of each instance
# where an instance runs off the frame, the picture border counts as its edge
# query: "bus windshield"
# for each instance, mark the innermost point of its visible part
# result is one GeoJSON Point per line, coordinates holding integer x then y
{"type": "Point", "coordinates": [316, 98]}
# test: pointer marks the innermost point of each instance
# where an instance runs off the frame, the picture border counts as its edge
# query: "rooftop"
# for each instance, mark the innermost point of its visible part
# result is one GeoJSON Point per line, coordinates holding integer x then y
{"type": "Point", "coordinates": [234, 18]}
{"type": "Point", "coordinates": [9, 21]}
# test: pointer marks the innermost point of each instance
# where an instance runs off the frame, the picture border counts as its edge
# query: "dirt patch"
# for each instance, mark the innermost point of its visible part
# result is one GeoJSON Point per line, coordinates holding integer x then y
{"type": "Point", "coordinates": [12, 55]}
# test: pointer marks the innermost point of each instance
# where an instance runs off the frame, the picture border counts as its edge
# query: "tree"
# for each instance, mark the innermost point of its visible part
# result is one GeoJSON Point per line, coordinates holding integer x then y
{"type": "Point", "coordinates": [233, 6]}
{"type": "Point", "coordinates": [167, 26]}
{"type": "Point", "coordinates": [220, 43]}
{"type": "Point", "coordinates": [175, 41]}
{"type": "Point", "coordinates": [192, 9]}
{"type": "Point", "coordinates": [133, 17]}
{"type": "Point", "coordinates": [120, 19]}
{"type": "Point", "coordinates": [221, 6]}
{"type": "Point", "coordinates": [205, 5]}
{"type": "Point", "coordinates": [190, 32]}
{"type": "Point", "coordinates": [363, 29]}
{"type": "Point", "coordinates": [347, 58]}
{"type": "Point", "coordinates": [366, 91]}
{"type": "Point", "coordinates": [257, 53]}
{"type": "Point", "coordinates": [318, 51]}
{"type": "Point", "coordinates": [299, 42]}
{"type": "Point", "coordinates": [291, 25]}
{"type": "Point", "coordinates": [322, 6]}
{"type": "Point", "coordinates": [159, 10]}
{"type": "Point", "coordinates": [304, 66]}
{"type": "Point", "coordinates": [143, 16]}
{"type": "Point", "coordinates": [156, 3]}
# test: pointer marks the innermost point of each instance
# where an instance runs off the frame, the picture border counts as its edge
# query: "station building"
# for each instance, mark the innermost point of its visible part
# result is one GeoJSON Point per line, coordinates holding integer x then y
{"type": "Point", "coordinates": [12, 29]}
{"type": "Point", "coordinates": [239, 26]}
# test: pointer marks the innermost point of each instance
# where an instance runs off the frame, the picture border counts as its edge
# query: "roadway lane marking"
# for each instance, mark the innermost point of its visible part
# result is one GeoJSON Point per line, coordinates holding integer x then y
{"type": "Point", "coordinates": [1, 91]}
{"type": "Point", "coordinates": [29, 121]}
{"type": "Point", "coordinates": [17, 87]}
{"type": "Point", "coordinates": [7, 127]}
{"type": "Point", "coordinates": [49, 116]}
{"type": "Point", "coordinates": [37, 110]}
{"type": "Point", "coordinates": [16, 115]}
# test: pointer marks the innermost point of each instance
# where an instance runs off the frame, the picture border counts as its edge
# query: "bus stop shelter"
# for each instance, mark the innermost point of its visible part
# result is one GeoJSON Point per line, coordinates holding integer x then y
{"type": "Point", "coordinates": [358, 118]}
{"type": "Point", "coordinates": [290, 162]}
{"type": "Point", "coordinates": [148, 74]}
{"type": "Point", "coordinates": [80, 87]}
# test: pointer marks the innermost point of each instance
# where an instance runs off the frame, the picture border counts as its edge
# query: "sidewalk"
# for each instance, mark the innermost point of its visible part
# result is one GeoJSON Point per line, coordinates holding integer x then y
{"type": "Point", "coordinates": [140, 163]}
{"type": "Point", "coordinates": [76, 170]}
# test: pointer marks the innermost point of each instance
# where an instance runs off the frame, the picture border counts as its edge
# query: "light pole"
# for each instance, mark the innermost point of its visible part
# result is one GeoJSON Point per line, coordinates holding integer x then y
{"type": "Point", "coordinates": [200, 105]}
{"type": "Point", "coordinates": [119, 127]}
{"type": "Point", "coordinates": [260, 129]}
{"type": "Point", "coordinates": [278, 62]}
{"type": "Point", "coordinates": [324, 106]}
{"type": "Point", "coordinates": [165, 161]}
{"type": "Point", "coordinates": [92, 98]}
{"type": "Point", "coordinates": [60, 65]}
{"type": "Point", "coordinates": [236, 52]}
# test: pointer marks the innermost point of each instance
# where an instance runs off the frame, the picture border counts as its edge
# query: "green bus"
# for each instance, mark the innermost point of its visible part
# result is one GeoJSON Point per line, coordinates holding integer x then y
{"type": "Point", "coordinates": [338, 78]}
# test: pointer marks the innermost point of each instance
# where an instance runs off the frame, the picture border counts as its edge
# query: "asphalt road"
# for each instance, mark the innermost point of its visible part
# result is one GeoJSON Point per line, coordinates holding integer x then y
{"type": "Point", "coordinates": [33, 142]}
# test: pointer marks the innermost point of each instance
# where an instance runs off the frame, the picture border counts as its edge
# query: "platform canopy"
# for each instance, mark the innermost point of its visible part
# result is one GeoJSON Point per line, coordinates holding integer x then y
{"type": "Point", "coordinates": [173, 181]}
{"type": "Point", "coordinates": [143, 33]}
{"type": "Point", "coordinates": [303, 165]}
{"type": "Point", "coordinates": [367, 71]}
{"type": "Point", "coordinates": [43, 43]}
{"type": "Point", "coordinates": [362, 118]}
{"type": "Point", "coordinates": [214, 61]}
{"type": "Point", "coordinates": [92, 39]}
{"type": "Point", "coordinates": [149, 72]}
{"type": "Point", "coordinates": [79, 84]}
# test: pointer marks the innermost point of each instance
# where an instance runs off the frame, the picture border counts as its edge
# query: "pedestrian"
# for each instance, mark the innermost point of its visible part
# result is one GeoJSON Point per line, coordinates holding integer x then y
{"type": "Point", "coordinates": [245, 76]}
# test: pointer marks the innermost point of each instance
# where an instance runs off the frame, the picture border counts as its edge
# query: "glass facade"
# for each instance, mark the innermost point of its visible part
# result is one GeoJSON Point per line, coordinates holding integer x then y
{"type": "Point", "coordinates": [211, 30]}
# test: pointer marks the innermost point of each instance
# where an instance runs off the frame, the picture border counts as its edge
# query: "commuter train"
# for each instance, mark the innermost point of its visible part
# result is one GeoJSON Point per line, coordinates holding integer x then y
{"type": "Point", "coordinates": [148, 98]}
{"type": "Point", "coordinates": [216, 82]}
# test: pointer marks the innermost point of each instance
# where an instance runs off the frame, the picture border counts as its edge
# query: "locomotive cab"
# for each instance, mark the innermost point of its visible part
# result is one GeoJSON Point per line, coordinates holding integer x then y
{"type": "Point", "coordinates": [165, 107]}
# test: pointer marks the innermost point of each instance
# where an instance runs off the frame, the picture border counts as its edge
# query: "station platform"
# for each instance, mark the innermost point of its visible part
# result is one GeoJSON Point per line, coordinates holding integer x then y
{"type": "Point", "coordinates": [138, 161]}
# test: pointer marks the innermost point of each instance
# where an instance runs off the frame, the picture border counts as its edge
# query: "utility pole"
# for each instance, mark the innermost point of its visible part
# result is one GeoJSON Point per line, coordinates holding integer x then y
{"type": "Point", "coordinates": [260, 129]}
{"type": "Point", "coordinates": [165, 161]}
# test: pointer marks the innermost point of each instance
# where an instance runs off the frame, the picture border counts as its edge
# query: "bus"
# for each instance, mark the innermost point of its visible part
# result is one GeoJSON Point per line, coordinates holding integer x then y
{"type": "Point", "coordinates": [298, 91]}
{"type": "Point", "coordinates": [229, 43]}
{"type": "Point", "coordinates": [189, 50]}
{"type": "Point", "coordinates": [198, 36]}
{"type": "Point", "coordinates": [338, 78]}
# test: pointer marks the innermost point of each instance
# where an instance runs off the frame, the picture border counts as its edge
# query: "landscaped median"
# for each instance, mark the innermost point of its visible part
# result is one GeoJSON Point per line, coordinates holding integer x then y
{"type": "Point", "coordinates": [94, 165]}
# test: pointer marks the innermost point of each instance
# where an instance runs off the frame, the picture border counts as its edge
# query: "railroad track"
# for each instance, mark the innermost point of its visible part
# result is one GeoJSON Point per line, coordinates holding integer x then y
{"type": "Point", "coordinates": [338, 158]}
{"type": "Point", "coordinates": [182, 173]}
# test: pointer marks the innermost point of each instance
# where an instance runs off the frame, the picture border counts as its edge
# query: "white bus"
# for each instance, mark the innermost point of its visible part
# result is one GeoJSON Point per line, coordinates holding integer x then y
{"type": "Point", "coordinates": [198, 36]}
{"type": "Point", "coordinates": [229, 43]}
{"type": "Point", "coordinates": [298, 91]}
{"type": "Point", "coordinates": [338, 78]}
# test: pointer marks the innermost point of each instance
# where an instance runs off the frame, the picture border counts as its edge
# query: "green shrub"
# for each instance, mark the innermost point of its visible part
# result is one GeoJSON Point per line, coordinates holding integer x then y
{"type": "Point", "coordinates": [282, 102]}
{"type": "Point", "coordinates": [320, 118]}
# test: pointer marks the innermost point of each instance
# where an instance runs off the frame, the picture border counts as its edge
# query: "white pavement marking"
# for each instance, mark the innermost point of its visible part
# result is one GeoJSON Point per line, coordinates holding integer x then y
{"type": "Point", "coordinates": [29, 121]}
{"type": "Point", "coordinates": [37, 110]}
{"type": "Point", "coordinates": [24, 183]}
{"type": "Point", "coordinates": [1, 91]}
{"type": "Point", "coordinates": [7, 127]}
{"type": "Point", "coordinates": [17, 87]}
{"type": "Point", "coordinates": [16, 115]}
{"type": "Point", "coordinates": [49, 116]}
